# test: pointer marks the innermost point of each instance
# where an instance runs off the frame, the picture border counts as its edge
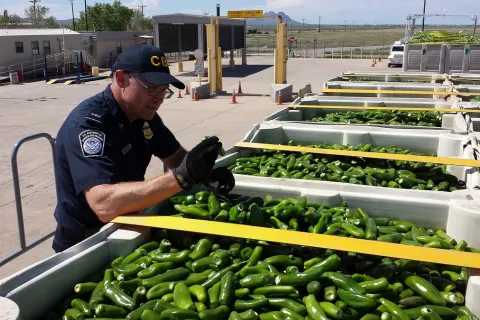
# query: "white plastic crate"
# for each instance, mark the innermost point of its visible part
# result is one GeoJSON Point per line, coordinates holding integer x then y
{"type": "Point", "coordinates": [441, 142]}
{"type": "Point", "coordinates": [459, 217]}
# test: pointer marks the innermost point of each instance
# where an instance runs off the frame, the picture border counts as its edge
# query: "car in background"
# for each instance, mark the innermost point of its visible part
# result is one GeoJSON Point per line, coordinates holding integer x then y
{"type": "Point", "coordinates": [395, 58]}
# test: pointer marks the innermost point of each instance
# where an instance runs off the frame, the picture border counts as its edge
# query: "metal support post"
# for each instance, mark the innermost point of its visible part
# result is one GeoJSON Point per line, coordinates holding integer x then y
{"type": "Point", "coordinates": [77, 81]}
{"type": "Point", "coordinates": [111, 64]}
{"type": "Point", "coordinates": [280, 64]}
{"type": "Point", "coordinates": [45, 69]}
{"type": "Point", "coordinates": [81, 61]}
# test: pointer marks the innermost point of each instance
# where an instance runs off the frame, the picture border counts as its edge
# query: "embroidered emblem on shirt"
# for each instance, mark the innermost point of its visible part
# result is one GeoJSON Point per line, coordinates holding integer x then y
{"type": "Point", "coordinates": [147, 132]}
{"type": "Point", "coordinates": [92, 143]}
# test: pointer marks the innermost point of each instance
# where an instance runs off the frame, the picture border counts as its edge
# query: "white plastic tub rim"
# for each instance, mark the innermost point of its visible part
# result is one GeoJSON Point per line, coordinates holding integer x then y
{"type": "Point", "coordinates": [408, 86]}
{"type": "Point", "coordinates": [375, 101]}
{"type": "Point", "coordinates": [458, 123]}
{"type": "Point", "coordinates": [30, 272]}
{"type": "Point", "coordinates": [382, 78]}
{"type": "Point", "coordinates": [458, 217]}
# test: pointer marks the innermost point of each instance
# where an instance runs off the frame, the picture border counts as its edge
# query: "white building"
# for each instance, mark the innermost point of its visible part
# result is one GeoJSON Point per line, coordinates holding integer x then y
{"type": "Point", "coordinates": [99, 44]}
{"type": "Point", "coordinates": [22, 45]}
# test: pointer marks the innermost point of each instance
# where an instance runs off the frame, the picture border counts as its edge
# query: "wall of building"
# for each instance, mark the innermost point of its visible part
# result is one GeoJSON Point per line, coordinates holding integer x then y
{"type": "Point", "coordinates": [9, 54]}
{"type": "Point", "coordinates": [102, 49]}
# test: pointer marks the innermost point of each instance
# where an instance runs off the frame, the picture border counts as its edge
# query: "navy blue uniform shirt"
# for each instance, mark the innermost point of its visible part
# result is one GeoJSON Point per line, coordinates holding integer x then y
{"type": "Point", "coordinates": [98, 145]}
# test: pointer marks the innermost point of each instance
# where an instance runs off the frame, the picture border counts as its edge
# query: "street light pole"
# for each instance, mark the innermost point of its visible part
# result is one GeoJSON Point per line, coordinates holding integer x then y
{"type": "Point", "coordinates": [423, 20]}
{"type": "Point", "coordinates": [73, 16]}
{"type": "Point", "coordinates": [319, 18]}
{"type": "Point", "coordinates": [86, 16]}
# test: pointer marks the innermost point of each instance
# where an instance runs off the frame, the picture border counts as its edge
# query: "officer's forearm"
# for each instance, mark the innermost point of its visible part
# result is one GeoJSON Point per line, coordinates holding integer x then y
{"type": "Point", "coordinates": [113, 200]}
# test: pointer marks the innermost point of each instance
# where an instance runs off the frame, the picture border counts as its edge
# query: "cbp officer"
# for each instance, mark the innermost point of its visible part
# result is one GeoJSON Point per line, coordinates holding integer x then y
{"type": "Point", "coordinates": [106, 143]}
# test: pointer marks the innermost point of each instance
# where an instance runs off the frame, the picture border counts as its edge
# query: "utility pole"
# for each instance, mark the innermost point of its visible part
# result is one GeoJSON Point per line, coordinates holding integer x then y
{"type": "Point", "coordinates": [303, 25]}
{"type": "Point", "coordinates": [142, 6]}
{"type": "Point", "coordinates": [73, 16]}
{"type": "Point", "coordinates": [34, 11]}
{"type": "Point", "coordinates": [319, 19]}
{"type": "Point", "coordinates": [345, 25]}
{"type": "Point", "coordinates": [353, 25]}
{"type": "Point", "coordinates": [86, 16]}
{"type": "Point", "coordinates": [423, 20]}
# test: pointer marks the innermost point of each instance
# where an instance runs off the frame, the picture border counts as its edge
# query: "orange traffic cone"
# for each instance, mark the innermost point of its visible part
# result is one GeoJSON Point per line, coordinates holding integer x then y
{"type": "Point", "coordinates": [180, 94]}
{"type": "Point", "coordinates": [195, 95]}
{"type": "Point", "coordinates": [239, 91]}
{"type": "Point", "coordinates": [380, 59]}
{"type": "Point", "coordinates": [279, 101]}
{"type": "Point", "coordinates": [234, 98]}
{"type": "Point", "coordinates": [187, 91]}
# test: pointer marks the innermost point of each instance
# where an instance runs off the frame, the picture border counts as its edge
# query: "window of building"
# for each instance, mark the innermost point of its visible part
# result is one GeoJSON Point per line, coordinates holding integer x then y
{"type": "Point", "coordinates": [18, 47]}
{"type": "Point", "coordinates": [46, 47]}
{"type": "Point", "coordinates": [119, 47]}
{"type": "Point", "coordinates": [35, 49]}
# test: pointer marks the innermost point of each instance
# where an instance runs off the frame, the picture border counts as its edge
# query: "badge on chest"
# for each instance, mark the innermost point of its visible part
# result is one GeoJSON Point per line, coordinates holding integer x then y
{"type": "Point", "coordinates": [147, 132]}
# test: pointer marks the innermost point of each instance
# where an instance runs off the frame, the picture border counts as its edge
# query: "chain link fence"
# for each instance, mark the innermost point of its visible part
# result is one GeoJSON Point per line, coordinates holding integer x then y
{"type": "Point", "coordinates": [317, 48]}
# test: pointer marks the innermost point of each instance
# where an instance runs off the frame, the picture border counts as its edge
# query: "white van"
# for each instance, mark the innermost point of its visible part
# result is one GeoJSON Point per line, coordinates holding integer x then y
{"type": "Point", "coordinates": [395, 58]}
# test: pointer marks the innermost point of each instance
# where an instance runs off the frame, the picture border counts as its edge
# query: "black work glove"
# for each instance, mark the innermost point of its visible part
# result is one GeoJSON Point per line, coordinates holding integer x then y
{"type": "Point", "coordinates": [221, 179]}
{"type": "Point", "coordinates": [198, 163]}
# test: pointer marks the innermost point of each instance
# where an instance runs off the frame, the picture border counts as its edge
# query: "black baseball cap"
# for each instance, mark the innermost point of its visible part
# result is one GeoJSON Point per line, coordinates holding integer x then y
{"type": "Point", "coordinates": [149, 62]}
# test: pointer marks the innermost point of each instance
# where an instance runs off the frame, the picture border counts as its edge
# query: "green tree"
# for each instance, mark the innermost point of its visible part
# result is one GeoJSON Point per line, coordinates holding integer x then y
{"type": "Point", "coordinates": [141, 23]}
{"type": "Point", "coordinates": [11, 21]}
{"type": "Point", "coordinates": [51, 23]}
{"type": "Point", "coordinates": [106, 17]}
{"type": "Point", "coordinates": [37, 16]}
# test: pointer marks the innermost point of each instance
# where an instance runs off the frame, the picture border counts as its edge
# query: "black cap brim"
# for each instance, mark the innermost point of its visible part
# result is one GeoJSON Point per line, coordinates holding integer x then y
{"type": "Point", "coordinates": [161, 79]}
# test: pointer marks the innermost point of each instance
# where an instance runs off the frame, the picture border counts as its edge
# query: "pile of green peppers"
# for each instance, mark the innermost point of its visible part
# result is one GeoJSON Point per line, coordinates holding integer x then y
{"type": "Point", "coordinates": [301, 215]}
{"type": "Point", "coordinates": [218, 278]}
{"type": "Point", "coordinates": [475, 99]}
{"type": "Point", "coordinates": [363, 171]}
{"type": "Point", "coordinates": [384, 117]}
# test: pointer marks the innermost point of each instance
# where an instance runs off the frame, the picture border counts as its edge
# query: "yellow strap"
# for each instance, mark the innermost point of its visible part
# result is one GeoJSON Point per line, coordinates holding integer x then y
{"type": "Point", "coordinates": [449, 257]}
{"type": "Point", "coordinates": [401, 92]}
{"type": "Point", "coordinates": [296, 106]}
{"type": "Point", "coordinates": [374, 155]}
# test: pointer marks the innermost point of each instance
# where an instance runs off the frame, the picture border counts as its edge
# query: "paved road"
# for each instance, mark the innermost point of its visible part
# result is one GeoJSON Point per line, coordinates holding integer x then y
{"type": "Point", "coordinates": [36, 107]}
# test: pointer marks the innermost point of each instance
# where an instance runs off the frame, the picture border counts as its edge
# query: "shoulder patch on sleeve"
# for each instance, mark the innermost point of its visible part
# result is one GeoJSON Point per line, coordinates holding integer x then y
{"type": "Point", "coordinates": [92, 143]}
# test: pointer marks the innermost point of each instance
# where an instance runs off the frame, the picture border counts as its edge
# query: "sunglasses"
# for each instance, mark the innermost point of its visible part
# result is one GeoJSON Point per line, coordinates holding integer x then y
{"type": "Point", "coordinates": [153, 91]}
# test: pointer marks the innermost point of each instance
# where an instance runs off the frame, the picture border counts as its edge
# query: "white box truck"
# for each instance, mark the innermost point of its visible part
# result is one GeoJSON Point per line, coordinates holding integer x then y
{"type": "Point", "coordinates": [395, 58]}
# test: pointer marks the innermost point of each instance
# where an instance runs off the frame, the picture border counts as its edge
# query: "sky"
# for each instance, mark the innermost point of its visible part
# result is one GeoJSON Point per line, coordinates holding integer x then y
{"type": "Point", "coordinates": [331, 12]}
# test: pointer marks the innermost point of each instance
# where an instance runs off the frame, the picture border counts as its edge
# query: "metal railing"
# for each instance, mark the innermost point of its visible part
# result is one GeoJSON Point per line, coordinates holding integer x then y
{"type": "Point", "coordinates": [18, 197]}
{"type": "Point", "coordinates": [55, 63]}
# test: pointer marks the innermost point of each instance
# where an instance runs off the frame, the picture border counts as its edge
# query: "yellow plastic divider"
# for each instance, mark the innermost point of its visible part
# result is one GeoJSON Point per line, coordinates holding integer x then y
{"type": "Point", "coordinates": [294, 106]}
{"type": "Point", "coordinates": [52, 81]}
{"type": "Point", "coordinates": [68, 82]}
{"type": "Point", "coordinates": [449, 257]}
{"type": "Point", "coordinates": [374, 155]}
{"type": "Point", "coordinates": [326, 90]}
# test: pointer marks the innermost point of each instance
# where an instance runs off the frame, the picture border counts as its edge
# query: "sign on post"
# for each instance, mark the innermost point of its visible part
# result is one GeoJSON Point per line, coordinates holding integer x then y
{"type": "Point", "coordinates": [199, 69]}
{"type": "Point", "coordinates": [245, 14]}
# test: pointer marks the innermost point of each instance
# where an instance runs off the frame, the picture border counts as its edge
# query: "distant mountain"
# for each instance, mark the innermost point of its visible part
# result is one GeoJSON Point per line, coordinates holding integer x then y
{"type": "Point", "coordinates": [270, 22]}
{"type": "Point", "coordinates": [67, 22]}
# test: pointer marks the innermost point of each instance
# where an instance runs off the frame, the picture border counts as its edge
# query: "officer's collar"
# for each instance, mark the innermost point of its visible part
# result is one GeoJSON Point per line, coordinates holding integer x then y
{"type": "Point", "coordinates": [113, 106]}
